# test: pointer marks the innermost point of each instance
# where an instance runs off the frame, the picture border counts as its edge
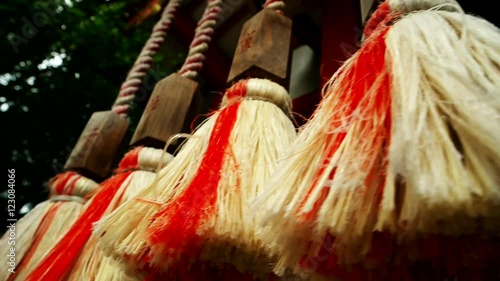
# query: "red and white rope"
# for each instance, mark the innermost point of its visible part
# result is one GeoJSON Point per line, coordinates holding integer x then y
{"type": "Point", "coordinates": [144, 61]}
{"type": "Point", "coordinates": [202, 37]}
{"type": "Point", "coordinates": [276, 5]}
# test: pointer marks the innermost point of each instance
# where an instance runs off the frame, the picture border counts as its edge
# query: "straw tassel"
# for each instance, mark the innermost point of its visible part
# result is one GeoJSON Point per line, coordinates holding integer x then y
{"type": "Point", "coordinates": [121, 232]}
{"type": "Point", "coordinates": [45, 224]}
{"type": "Point", "coordinates": [61, 258]}
{"type": "Point", "coordinates": [76, 255]}
{"type": "Point", "coordinates": [404, 142]}
{"type": "Point", "coordinates": [208, 219]}
{"type": "Point", "coordinates": [311, 204]}
{"type": "Point", "coordinates": [93, 263]}
{"type": "Point", "coordinates": [202, 197]}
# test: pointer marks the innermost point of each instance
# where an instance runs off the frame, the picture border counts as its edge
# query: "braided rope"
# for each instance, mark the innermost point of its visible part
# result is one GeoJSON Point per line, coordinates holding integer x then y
{"type": "Point", "coordinates": [203, 35]}
{"type": "Point", "coordinates": [391, 9]}
{"type": "Point", "coordinates": [144, 61]}
{"type": "Point", "coordinates": [276, 5]}
{"type": "Point", "coordinates": [67, 198]}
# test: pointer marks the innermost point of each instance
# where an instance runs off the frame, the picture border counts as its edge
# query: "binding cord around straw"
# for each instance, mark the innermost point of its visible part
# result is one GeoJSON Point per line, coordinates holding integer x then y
{"type": "Point", "coordinates": [202, 37]}
{"type": "Point", "coordinates": [390, 10]}
{"type": "Point", "coordinates": [276, 5]}
{"type": "Point", "coordinates": [144, 61]}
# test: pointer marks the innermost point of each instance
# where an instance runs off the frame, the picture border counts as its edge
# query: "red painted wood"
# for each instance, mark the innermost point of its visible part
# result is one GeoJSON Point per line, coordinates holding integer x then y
{"type": "Point", "coordinates": [304, 106]}
{"type": "Point", "coordinates": [341, 29]}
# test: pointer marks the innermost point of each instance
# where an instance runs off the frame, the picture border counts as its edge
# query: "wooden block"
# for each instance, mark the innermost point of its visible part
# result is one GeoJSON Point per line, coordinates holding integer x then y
{"type": "Point", "coordinates": [98, 145]}
{"type": "Point", "coordinates": [366, 7]}
{"type": "Point", "coordinates": [173, 105]}
{"type": "Point", "coordinates": [264, 49]}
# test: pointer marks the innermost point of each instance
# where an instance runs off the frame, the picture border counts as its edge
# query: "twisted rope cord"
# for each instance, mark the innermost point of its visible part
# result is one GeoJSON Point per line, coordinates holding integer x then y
{"type": "Point", "coordinates": [202, 36]}
{"type": "Point", "coordinates": [144, 61]}
{"type": "Point", "coordinates": [276, 5]}
{"type": "Point", "coordinates": [391, 9]}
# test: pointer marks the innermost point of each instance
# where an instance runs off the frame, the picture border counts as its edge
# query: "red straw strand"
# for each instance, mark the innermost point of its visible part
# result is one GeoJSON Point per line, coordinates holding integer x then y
{"type": "Point", "coordinates": [174, 229]}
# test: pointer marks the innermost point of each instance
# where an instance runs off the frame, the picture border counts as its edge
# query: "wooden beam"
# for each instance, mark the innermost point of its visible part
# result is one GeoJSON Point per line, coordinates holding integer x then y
{"type": "Point", "coordinates": [193, 5]}
{"type": "Point", "coordinates": [342, 30]}
{"type": "Point", "coordinates": [231, 21]}
{"type": "Point", "coordinates": [305, 105]}
{"type": "Point", "coordinates": [365, 7]}
{"type": "Point", "coordinates": [306, 31]}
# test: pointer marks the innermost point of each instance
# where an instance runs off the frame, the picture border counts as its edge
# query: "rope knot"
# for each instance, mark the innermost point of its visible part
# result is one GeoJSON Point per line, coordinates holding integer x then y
{"type": "Point", "coordinates": [71, 184]}
{"type": "Point", "coordinates": [409, 6]}
{"type": "Point", "coordinates": [259, 89]}
{"type": "Point", "coordinates": [144, 158]}
{"type": "Point", "coordinates": [393, 9]}
{"type": "Point", "coordinates": [276, 5]}
{"type": "Point", "coordinates": [203, 35]}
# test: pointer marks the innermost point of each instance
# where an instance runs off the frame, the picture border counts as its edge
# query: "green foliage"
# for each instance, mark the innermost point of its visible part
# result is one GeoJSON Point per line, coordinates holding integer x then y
{"type": "Point", "coordinates": [61, 61]}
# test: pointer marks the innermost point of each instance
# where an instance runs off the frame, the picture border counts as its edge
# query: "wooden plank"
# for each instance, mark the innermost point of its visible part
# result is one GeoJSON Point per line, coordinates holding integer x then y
{"type": "Point", "coordinates": [173, 105]}
{"type": "Point", "coordinates": [264, 49]}
{"type": "Point", "coordinates": [342, 29]}
{"type": "Point", "coordinates": [366, 8]}
{"type": "Point", "coordinates": [98, 145]}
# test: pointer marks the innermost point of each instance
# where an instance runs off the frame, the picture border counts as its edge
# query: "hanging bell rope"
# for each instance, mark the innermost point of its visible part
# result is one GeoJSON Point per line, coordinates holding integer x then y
{"type": "Point", "coordinates": [104, 130]}
{"type": "Point", "coordinates": [144, 61]}
{"type": "Point", "coordinates": [202, 37]}
{"type": "Point", "coordinates": [276, 5]}
{"type": "Point", "coordinates": [176, 98]}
